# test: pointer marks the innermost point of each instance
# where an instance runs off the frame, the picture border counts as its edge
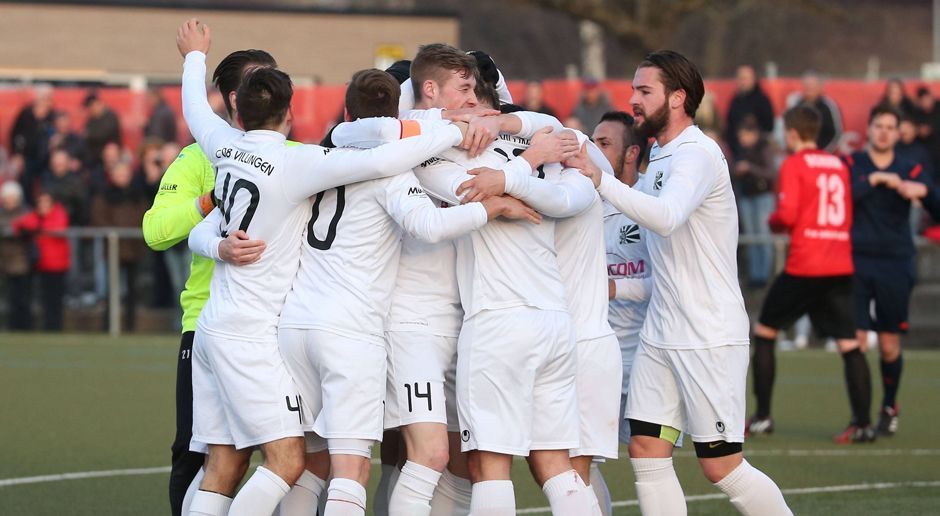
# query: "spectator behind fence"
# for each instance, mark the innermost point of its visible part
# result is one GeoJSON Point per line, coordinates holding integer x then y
{"type": "Point", "coordinates": [111, 156]}
{"type": "Point", "coordinates": [754, 174]}
{"type": "Point", "coordinates": [63, 137]}
{"type": "Point", "coordinates": [831, 131]}
{"type": "Point", "coordinates": [30, 135]}
{"type": "Point", "coordinates": [535, 99]}
{"type": "Point", "coordinates": [912, 148]}
{"type": "Point", "coordinates": [121, 204]}
{"type": "Point", "coordinates": [162, 121]}
{"type": "Point", "coordinates": [895, 98]}
{"type": "Point", "coordinates": [45, 226]}
{"type": "Point", "coordinates": [15, 260]}
{"type": "Point", "coordinates": [928, 124]}
{"type": "Point", "coordinates": [749, 101]}
{"type": "Point", "coordinates": [592, 106]}
{"type": "Point", "coordinates": [101, 127]}
{"type": "Point", "coordinates": [67, 187]}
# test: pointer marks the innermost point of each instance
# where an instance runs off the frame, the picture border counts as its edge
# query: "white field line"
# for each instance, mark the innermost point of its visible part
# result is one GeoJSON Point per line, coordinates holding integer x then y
{"type": "Point", "coordinates": [797, 491]}
{"type": "Point", "coordinates": [78, 475]}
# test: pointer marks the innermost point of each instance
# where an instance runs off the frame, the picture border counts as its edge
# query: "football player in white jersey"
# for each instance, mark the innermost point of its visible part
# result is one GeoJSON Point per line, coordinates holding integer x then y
{"type": "Point", "coordinates": [579, 240]}
{"type": "Point", "coordinates": [690, 369]}
{"type": "Point", "coordinates": [243, 396]}
{"type": "Point", "coordinates": [331, 330]}
{"type": "Point", "coordinates": [628, 265]}
{"type": "Point", "coordinates": [513, 398]}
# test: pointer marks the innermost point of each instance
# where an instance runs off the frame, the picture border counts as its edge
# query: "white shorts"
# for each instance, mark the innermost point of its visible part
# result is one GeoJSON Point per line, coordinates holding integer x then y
{"type": "Point", "coordinates": [599, 383]}
{"type": "Point", "coordinates": [242, 394]}
{"type": "Point", "coordinates": [698, 391]}
{"type": "Point", "coordinates": [516, 382]}
{"type": "Point", "coordinates": [342, 381]}
{"type": "Point", "coordinates": [422, 378]}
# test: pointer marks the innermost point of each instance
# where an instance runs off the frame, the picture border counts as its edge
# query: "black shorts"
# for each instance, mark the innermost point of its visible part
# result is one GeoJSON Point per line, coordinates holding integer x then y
{"type": "Point", "coordinates": [888, 283]}
{"type": "Point", "coordinates": [827, 300]}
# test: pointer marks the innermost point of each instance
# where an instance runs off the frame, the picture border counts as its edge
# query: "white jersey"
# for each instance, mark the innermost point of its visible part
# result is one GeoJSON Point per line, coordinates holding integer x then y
{"type": "Point", "coordinates": [263, 188]}
{"type": "Point", "coordinates": [690, 211]}
{"type": "Point", "coordinates": [351, 251]}
{"type": "Point", "coordinates": [508, 263]}
{"type": "Point", "coordinates": [627, 259]}
{"type": "Point", "coordinates": [425, 297]}
{"type": "Point", "coordinates": [579, 235]}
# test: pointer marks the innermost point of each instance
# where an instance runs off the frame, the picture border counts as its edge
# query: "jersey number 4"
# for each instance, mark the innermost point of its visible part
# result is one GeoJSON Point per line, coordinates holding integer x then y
{"type": "Point", "coordinates": [831, 200]}
{"type": "Point", "coordinates": [327, 242]}
{"type": "Point", "coordinates": [228, 200]}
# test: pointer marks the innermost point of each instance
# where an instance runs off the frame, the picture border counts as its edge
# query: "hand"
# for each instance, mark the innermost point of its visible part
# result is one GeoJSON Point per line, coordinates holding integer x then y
{"type": "Point", "coordinates": [467, 114]}
{"type": "Point", "coordinates": [510, 208]}
{"type": "Point", "coordinates": [912, 190]}
{"type": "Point", "coordinates": [889, 179]}
{"type": "Point", "coordinates": [237, 249]}
{"type": "Point", "coordinates": [483, 130]}
{"type": "Point", "coordinates": [487, 183]}
{"type": "Point", "coordinates": [551, 147]}
{"type": "Point", "coordinates": [191, 36]}
{"type": "Point", "coordinates": [611, 289]}
{"type": "Point", "coordinates": [582, 162]}
{"type": "Point", "coordinates": [742, 167]}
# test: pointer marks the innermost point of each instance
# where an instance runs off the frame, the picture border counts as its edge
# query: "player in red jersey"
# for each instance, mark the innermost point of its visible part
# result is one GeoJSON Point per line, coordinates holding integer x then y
{"type": "Point", "coordinates": [815, 208]}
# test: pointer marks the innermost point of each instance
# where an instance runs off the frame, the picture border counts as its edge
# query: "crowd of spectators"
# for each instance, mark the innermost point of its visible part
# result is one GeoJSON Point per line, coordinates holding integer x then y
{"type": "Point", "coordinates": [55, 177]}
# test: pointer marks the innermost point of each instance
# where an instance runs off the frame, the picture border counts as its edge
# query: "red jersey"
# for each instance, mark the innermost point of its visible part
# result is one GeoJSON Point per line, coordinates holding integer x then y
{"type": "Point", "coordinates": [815, 205]}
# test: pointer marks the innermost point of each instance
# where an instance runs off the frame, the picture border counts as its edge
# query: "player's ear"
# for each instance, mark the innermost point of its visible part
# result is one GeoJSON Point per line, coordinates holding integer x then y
{"type": "Point", "coordinates": [429, 89]}
{"type": "Point", "coordinates": [346, 116]}
{"type": "Point", "coordinates": [231, 99]}
{"type": "Point", "coordinates": [677, 99]}
{"type": "Point", "coordinates": [632, 154]}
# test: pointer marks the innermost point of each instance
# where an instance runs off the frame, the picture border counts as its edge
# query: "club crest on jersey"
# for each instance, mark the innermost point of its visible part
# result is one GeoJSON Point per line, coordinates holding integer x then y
{"type": "Point", "coordinates": [658, 183]}
{"type": "Point", "coordinates": [629, 234]}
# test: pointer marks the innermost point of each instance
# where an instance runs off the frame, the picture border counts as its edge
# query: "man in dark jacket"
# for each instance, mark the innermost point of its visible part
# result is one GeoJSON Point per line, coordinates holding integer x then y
{"type": "Point", "coordinates": [162, 122]}
{"type": "Point", "coordinates": [101, 128]}
{"type": "Point", "coordinates": [749, 101]}
{"type": "Point", "coordinates": [30, 137]}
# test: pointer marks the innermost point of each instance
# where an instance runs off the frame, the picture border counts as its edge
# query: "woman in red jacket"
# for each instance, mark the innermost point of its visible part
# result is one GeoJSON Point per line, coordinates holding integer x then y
{"type": "Point", "coordinates": [47, 223]}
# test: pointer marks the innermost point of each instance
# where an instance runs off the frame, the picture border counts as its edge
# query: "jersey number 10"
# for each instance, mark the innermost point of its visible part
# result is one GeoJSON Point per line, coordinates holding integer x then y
{"type": "Point", "coordinates": [831, 200]}
{"type": "Point", "coordinates": [228, 200]}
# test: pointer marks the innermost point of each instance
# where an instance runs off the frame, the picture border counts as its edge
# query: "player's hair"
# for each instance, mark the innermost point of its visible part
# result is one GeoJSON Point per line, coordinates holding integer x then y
{"type": "Point", "coordinates": [228, 74]}
{"type": "Point", "coordinates": [805, 120]}
{"type": "Point", "coordinates": [678, 73]}
{"type": "Point", "coordinates": [263, 98]}
{"type": "Point", "coordinates": [883, 109]}
{"type": "Point", "coordinates": [486, 94]}
{"type": "Point", "coordinates": [436, 61]}
{"type": "Point", "coordinates": [629, 134]}
{"type": "Point", "coordinates": [372, 93]}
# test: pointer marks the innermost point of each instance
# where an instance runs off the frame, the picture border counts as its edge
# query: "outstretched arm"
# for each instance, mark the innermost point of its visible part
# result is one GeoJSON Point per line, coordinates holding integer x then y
{"type": "Point", "coordinates": [209, 130]}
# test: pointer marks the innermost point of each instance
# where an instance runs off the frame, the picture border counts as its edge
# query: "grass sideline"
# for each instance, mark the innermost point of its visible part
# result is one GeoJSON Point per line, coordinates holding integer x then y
{"type": "Point", "coordinates": [87, 403]}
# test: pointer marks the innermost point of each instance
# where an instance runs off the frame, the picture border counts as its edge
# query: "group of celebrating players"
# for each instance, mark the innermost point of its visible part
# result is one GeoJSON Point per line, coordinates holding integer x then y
{"type": "Point", "coordinates": [345, 303]}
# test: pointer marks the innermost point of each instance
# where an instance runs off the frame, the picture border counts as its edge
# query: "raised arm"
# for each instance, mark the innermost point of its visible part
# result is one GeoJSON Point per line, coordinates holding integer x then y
{"type": "Point", "coordinates": [559, 195]}
{"type": "Point", "coordinates": [689, 183]}
{"type": "Point", "coordinates": [209, 130]}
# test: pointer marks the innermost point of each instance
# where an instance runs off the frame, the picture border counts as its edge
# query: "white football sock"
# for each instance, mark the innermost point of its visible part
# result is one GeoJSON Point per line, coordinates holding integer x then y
{"type": "Point", "coordinates": [207, 503]}
{"type": "Point", "coordinates": [304, 497]}
{"type": "Point", "coordinates": [752, 492]}
{"type": "Point", "coordinates": [657, 487]}
{"type": "Point", "coordinates": [567, 494]}
{"type": "Point", "coordinates": [345, 497]}
{"type": "Point", "coordinates": [383, 492]}
{"type": "Point", "coordinates": [413, 491]}
{"type": "Point", "coordinates": [260, 495]}
{"type": "Point", "coordinates": [600, 490]}
{"type": "Point", "coordinates": [493, 498]}
{"type": "Point", "coordinates": [191, 490]}
{"type": "Point", "coordinates": [452, 496]}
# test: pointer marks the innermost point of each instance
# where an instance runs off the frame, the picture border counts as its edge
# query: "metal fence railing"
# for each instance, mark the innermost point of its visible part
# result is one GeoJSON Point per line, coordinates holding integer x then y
{"type": "Point", "coordinates": [97, 269]}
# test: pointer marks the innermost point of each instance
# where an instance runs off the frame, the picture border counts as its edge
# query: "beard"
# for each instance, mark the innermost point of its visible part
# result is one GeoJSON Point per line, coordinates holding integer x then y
{"type": "Point", "coordinates": [653, 123]}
